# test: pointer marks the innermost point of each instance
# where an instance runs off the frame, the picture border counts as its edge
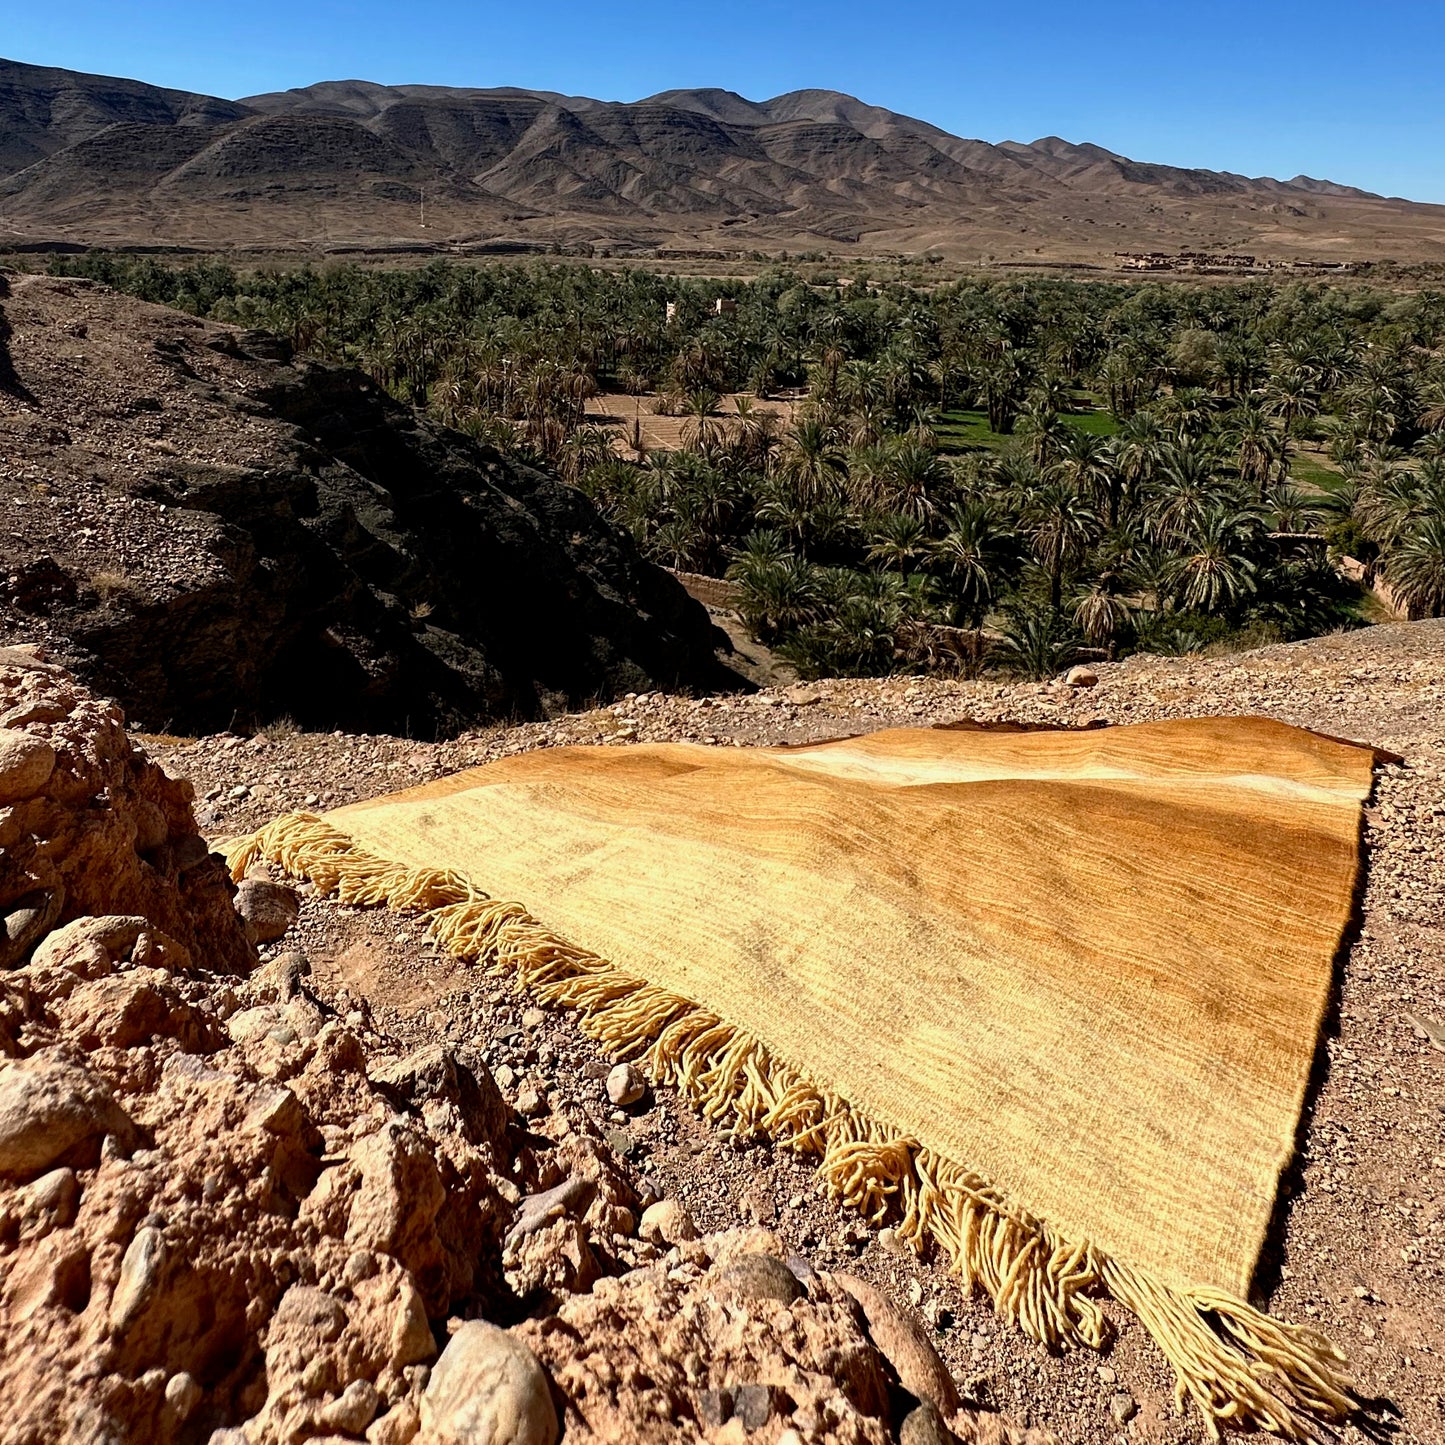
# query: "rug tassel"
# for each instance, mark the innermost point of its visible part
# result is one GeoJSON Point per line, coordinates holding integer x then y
{"type": "Point", "coordinates": [1237, 1365]}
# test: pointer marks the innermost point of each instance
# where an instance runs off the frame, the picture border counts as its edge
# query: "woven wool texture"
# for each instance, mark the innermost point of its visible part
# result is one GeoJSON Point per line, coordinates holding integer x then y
{"type": "Point", "coordinates": [1089, 966]}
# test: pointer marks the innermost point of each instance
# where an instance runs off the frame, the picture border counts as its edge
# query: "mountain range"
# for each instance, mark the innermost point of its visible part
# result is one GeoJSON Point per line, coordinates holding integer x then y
{"type": "Point", "coordinates": [355, 165]}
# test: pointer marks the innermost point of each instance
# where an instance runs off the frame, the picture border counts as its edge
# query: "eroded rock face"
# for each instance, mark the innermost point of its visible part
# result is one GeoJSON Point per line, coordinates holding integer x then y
{"type": "Point", "coordinates": [90, 826]}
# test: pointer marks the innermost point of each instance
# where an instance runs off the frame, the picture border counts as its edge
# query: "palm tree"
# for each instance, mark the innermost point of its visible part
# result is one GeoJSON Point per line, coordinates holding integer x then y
{"type": "Point", "coordinates": [1038, 642]}
{"type": "Point", "coordinates": [1290, 396]}
{"type": "Point", "coordinates": [911, 476]}
{"type": "Point", "coordinates": [899, 541]}
{"type": "Point", "coordinates": [1059, 523]}
{"type": "Point", "coordinates": [973, 550]}
{"type": "Point", "coordinates": [699, 431]}
{"type": "Point", "coordinates": [1415, 569]}
{"type": "Point", "coordinates": [810, 459]}
{"type": "Point", "coordinates": [1215, 571]}
{"type": "Point", "coordinates": [1255, 445]}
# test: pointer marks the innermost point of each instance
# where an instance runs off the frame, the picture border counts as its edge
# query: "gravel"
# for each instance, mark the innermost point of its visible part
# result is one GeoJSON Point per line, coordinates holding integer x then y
{"type": "Point", "coordinates": [1359, 1243]}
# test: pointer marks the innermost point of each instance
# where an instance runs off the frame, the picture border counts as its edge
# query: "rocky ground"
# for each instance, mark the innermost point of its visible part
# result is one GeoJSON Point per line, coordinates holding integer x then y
{"type": "Point", "coordinates": [1360, 1242]}
{"type": "Point", "coordinates": [211, 531]}
{"type": "Point", "coordinates": [243, 1203]}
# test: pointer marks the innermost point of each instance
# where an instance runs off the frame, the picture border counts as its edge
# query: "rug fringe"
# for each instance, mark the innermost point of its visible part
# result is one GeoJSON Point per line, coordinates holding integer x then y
{"type": "Point", "coordinates": [1237, 1365]}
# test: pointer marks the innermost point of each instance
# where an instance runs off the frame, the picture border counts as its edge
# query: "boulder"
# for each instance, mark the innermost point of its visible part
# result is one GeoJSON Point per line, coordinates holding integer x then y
{"type": "Point", "coordinates": [488, 1389]}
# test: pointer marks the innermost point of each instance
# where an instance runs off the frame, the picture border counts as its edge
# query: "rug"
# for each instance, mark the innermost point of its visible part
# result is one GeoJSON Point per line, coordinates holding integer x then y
{"type": "Point", "coordinates": [1048, 1001]}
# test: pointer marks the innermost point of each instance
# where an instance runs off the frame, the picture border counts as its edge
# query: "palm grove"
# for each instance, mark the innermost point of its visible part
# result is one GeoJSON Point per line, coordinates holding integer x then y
{"type": "Point", "coordinates": [1013, 474]}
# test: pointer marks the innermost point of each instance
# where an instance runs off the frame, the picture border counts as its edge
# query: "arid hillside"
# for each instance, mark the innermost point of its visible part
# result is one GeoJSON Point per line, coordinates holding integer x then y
{"type": "Point", "coordinates": [210, 532]}
{"type": "Point", "coordinates": [350, 164]}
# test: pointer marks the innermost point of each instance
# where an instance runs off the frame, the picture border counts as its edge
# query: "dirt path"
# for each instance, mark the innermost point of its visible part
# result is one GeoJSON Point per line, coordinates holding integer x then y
{"type": "Point", "coordinates": [1360, 1238]}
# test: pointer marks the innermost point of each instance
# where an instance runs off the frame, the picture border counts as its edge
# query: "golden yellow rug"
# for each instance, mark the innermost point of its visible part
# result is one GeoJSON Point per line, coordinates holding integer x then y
{"type": "Point", "coordinates": [1050, 998]}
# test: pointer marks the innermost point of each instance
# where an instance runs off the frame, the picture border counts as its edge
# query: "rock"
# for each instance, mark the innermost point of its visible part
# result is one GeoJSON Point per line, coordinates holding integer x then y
{"type": "Point", "coordinates": [753, 1405]}
{"type": "Point", "coordinates": [140, 1269]}
{"type": "Point", "coordinates": [905, 1346]}
{"type": "Point", "coordinates": [95, 946]}
{"type": "Point", "coordinates": [26, 764]}
{"type": "Point", "coordinates": [758, 1277]}
{"type": "Point", "coordinates": [925, 1426]}
{"type": "Point", "coordinates": [49, 1203]}
{"type": "Point", "coordinates": [1106, 1373]}
{"type": "Point", "coordinates": [48, 1108]}
{"type": "Point", "coordinates": [666, 1222]}
{"type": "Point", "coordinates": [183, 1394]}
{"type": "Point", "coordinates": [353, 1410]}
{"type": "Point", "coordinates": [27, 920]}
{"type": "Point", "coordinates": [571, 1196]}
{"type": "Point", "coordinates": [270, 908]}
{"type": "Point", "coordinates": [625, 1085]}
{"type": "Point", "coordinates": [488, 1389]}
{"type": "Point", "coordinates": [531, 1102]}
{"type": "Point", "coordinates": [399, 1426]}
{"type": "Point", "coordinates": [714, 1407]}
{"type": "Point", "coordinates": [1081, 677]}
{"type": "Point", "coordinates": [1123, 1407]}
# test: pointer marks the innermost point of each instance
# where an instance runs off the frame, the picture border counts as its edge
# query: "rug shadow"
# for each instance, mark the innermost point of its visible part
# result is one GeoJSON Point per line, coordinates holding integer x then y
{"type": "Point", "coordinates": [1378, 1415]}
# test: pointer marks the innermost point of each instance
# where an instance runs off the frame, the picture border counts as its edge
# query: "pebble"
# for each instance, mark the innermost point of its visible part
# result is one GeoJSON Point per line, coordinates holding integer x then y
{"type": "Point", "coordinates": [625, 1085]}
{"type": "Point", "coordinates": [667, 1222]}
{"type": "Point", "coordinates": [1123, 1408]}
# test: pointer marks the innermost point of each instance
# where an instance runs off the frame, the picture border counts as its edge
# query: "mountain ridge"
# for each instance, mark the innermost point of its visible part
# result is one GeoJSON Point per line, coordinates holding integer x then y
{"type": "Point", "coordinates": [351, 163]}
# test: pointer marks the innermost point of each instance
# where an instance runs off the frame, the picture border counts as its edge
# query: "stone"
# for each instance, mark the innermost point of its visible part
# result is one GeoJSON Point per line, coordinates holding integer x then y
{"type": "Point", "coordinates": [48, 1108]}
{"type": "Point", "coordinates": [904, 1344]}
{"type": "Point", "coordinates": [399, 1426]}
{"type": "Point", "coordinates": [714, 1407]}
{"type": "Point", "coordinates": [270, 908]}
{"type": "Point", "coordinates": [488, 1389]}
{"type": "Point", "coordinates": [925, 1426]}
{"type": "Point", "coordinates": [183, 1394]}
{"type": "Point", "coordinates": [353, 1410]}
{"type": "Point", "coordinates": [571, 1196]}
{"type": "Point", "coordinates": [50, 1203]}
{"type": "Point", "coordinates": [27, 920]}
{"type": "Point", "coordinates": [759, 1277]}
{"type": "Point", "coordinates": [140, 1269]}
{"type": "Point", "coordinates": [531, 1102]}
{"type": "Point", "coordinates": [26, 764]}
{"type": "Point", "coordinates": [625, 1085]}
{"type": "Point", "coordinates": [1081, 677]}
{"type": "Point", "coordinates": [1107, 1374]}
{"type": "Point", "coordinates": [753, 1405]}
{"type": "Point", "coordinates": [1123, 1407]}
{"type": "Point", "coordinates": [666, 1222]}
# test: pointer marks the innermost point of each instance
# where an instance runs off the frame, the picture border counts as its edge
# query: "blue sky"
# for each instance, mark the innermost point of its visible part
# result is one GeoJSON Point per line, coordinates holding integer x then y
{"type": "Point", "coordinates": [1349, 90]}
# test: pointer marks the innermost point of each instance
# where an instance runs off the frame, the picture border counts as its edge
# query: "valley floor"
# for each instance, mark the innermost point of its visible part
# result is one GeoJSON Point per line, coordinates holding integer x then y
{"type": "Point", "coordinates": [1360, 1238]}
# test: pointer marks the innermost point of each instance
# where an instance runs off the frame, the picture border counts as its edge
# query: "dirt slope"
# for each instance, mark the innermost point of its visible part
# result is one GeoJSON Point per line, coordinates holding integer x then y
{"type": "Point", "coordinates": [209, 533]}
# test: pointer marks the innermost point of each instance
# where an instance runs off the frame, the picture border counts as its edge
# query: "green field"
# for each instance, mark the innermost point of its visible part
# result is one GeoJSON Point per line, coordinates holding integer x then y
{"type": "Point", "coordinates": [1309, 471]}
{"type": "Point", "coordinates": [968, 429]}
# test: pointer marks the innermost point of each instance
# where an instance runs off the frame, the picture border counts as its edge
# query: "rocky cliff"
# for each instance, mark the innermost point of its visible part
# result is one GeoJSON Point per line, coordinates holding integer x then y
{"type": "Point", "coordinates": [210, 531]}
